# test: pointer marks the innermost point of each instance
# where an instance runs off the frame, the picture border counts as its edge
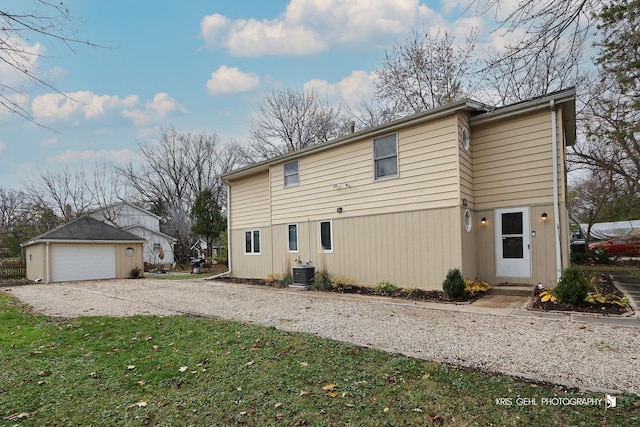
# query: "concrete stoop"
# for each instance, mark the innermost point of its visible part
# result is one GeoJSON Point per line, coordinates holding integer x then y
{"type": "Point", "coordinates": [512, 290]}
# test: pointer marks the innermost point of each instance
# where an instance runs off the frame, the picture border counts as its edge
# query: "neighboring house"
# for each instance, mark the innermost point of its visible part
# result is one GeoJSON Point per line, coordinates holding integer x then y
{"type": "Point", "coordinates": [463, 185]}
{"type": "Point", "coordinates": [159, 247]}
{"type": "Point", "coordinates": [83, 249]}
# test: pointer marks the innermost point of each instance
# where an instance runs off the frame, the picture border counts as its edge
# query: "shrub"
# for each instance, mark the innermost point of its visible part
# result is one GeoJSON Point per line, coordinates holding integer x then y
{"type": "Point", "coordinates": [572, 287]}
{"type": "Point", "coordinates": [385, 288]}
{"type": "Point", "coordinates": [285, 280]}
{"type": "Point", "coordinates": [135, 273]}
{"type": "Point", "coordinates": [454, 285]}
{"type": "Point", "coordinates": [601, 256]}
{"type": "Point", "coordinates": [473, 288]}
{"type": "Point", "coordinates": [322, 281]}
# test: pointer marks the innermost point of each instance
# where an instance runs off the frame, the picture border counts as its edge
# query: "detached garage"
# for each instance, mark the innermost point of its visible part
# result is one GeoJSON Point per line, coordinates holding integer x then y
{"type": "Point", "coordinates": [83, 249]}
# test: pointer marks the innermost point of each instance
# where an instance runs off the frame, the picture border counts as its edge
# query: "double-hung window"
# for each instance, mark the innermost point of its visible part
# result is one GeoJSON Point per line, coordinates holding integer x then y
{"type": "Point", "coordinates": [385, 156]}
{"type": "Point", "coordinates": [252, 242]}
{"type": "Point", "coordinates": [325, 236]}
{"type": "Point", "coordinates": [292, 237]}
{"type": "Point", "coordinates": [291, 174]}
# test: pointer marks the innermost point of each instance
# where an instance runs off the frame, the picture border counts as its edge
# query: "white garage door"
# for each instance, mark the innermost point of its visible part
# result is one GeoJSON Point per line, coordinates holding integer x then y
{"type": "Point", "coordinates": [71, 263]}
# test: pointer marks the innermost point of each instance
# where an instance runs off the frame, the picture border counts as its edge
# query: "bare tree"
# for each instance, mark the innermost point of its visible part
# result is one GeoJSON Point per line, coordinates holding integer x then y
{"type": "Point", "coordinates": [12, 203]}
{"type": "Point", "coordinates": [588, 197]}
{"type": "Point", "coordinates": [369, 112]}
{"type": "Point", "coordinates": [425, 72]}
{"type": "Point", "coordinates": [64, 192]}
{"type": "Point", "coordinates": [513, 78]}
{"type": "Point", "coordinates": [174, 170]}
{"type": "Point", "coordinates": [288, 120]}
{"type": "Point", "coordinates": [48, 20]}
{"type": "Point", "coordinates": [542, 24]}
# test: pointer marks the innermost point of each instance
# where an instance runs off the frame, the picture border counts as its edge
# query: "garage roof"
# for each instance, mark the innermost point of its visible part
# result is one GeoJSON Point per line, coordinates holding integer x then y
{"type": "Point", "coordinates": [85, 229]}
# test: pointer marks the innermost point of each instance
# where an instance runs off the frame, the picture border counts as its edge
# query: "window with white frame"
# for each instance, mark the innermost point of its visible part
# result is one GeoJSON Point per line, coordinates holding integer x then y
{"type": "Point", "coordinates": [292, 237]}
{"type": "Point", "coordinates": [291, 173]}
{"type": "Point", "coordinates": [252, 242]}
{"type": "Point", "coordinates": [385, 156]}
{"type": "Point", "coordinates": [325, 236]}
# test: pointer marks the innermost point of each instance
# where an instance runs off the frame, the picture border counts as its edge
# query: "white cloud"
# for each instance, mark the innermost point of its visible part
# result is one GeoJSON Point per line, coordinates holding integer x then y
{"type": "Point", "coordinates": [49, 142]}
{"type": "Point", "coordinates": [3, 146]}
{"type": "Point", "coordinates": [12, 76]}
{"type": "Point", "coordinates": [117, 156]}
{"type": "Point", "coordinates": [90, 106]}
{"type": "Point", "coordinates": [56, 106]}
{"type": "Point", "coordinates": [311, 26]}
{"type": "Point", "coordinates": [356, 86]}
{"type": "Point", "coordinates": [154, 111]}
{"type": "Point", "coordinates": [227, 80]}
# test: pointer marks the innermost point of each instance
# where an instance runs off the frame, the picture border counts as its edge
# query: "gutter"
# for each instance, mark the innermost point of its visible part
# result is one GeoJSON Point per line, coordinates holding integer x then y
{"type": "Point", "coordinates": [556, 201]}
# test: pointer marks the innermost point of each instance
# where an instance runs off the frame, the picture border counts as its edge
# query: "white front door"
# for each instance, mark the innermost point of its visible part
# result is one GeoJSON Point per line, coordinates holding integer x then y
{"type": "Point", "coordinates": [513, 245]}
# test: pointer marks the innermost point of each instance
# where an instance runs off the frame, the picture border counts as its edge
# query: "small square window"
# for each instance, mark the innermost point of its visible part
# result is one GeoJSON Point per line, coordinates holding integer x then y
{"type": "Point", "coordinates": [385, 156]}
{"type": "Point", "coordinates": [291, 174]}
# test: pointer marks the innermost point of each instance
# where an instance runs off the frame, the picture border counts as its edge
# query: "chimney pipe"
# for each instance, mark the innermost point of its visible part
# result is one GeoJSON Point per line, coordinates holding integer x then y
{"type": "Point", "coordinates": [352, 126]}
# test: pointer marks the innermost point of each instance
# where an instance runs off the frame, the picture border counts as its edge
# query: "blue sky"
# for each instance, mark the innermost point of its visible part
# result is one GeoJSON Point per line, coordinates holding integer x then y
{"type": "Point", "coordinates": [199, 66]}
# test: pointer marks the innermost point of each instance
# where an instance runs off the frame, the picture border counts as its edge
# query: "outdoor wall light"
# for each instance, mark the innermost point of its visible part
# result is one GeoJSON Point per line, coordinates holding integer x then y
{"type": "Point", "coordinates": [339, 210]}
{"type": "Point", "coordinates": [483, 220]}
{"type": "Point", "coordinates": [544, 216]}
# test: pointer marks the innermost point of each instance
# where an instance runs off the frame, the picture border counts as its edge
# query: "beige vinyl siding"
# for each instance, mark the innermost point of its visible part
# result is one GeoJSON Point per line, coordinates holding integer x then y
{"type": "Point", "coordinates": [466, 166]}
{"type": "Point", "coordinates": [512, 161]}
{"type": "Point", "coordinates": [543, 261]}
{"type": "Point", "coordinates": [124, 263]}
{"type": "Point", "coordinates": [249, 201]}
{"type": "Point", "coordinates": [411, 249]}
{"type": "Point", "coordinates": [36, 261]}
{"type": "Point", "coordinates": [251, 266]}
{"type": "Point", "coordinates": [428, 159]}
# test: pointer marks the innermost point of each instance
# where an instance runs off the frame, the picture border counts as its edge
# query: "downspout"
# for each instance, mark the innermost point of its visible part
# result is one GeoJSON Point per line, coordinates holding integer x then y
{"type": "Point", "coordinates": [46, 260]}
{"type": "Point", "coordinates": [556, 197]}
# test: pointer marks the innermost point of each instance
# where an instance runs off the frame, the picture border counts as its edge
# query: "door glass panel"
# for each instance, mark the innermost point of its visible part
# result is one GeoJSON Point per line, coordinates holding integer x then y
{"type": "Point", "coordinates": [512, 247]}
{"type": "Point", "coordinates": [512, 223]}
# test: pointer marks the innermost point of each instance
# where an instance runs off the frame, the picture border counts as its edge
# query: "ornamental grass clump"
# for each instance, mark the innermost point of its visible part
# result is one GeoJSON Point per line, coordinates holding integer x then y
{"type": "Point", "coordinates": [454, 285]}
{"type": "Point", "coordinates": [572, 287]}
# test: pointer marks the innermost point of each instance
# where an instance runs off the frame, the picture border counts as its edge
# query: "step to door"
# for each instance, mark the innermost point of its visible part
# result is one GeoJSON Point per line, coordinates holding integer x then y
{"type": "Point", "coordinates": [513, 290]}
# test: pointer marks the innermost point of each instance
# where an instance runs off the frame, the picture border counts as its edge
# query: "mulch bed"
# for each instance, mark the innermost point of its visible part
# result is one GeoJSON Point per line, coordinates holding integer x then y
{"type": "Point", "coordinates": [605, 285]}
{"type": "Point", "coordinates": [409, 294]}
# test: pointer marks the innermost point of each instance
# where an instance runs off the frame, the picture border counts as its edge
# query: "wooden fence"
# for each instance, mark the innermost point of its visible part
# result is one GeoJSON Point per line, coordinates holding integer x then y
{"type": "Point", "coordinates": [12, 270]}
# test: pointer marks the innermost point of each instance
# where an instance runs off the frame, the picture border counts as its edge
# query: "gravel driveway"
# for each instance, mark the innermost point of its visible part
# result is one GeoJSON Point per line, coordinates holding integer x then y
{"type": "Point", "coordinates": [591, 356]}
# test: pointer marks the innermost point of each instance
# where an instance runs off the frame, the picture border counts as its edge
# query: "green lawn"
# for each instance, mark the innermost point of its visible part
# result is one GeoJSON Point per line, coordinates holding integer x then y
{"type": "Point", "coordinates": [182, 370]}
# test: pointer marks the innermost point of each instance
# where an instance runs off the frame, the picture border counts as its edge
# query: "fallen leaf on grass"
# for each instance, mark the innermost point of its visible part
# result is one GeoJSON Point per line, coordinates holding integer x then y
{"type": "Point", "coordinates": [329, 387]}
{"type": "Point", "coordinates": [304, 393]}
{"type": "Point", "coordinates": [386, 410]}
{"type": "Point", "coordinates": [131, 367]}
{"type": "Point", "coordinates": [249, 363]}
{"type": "Point", "coordinates": [304, 364]}
{"type": "Point", "coordinates": [16, 417]}
{"type": "Point", "coordinates": [183, 368]}
{"type": "Point", "coordinates": [140, 382]}
{"type": "Point", "coordinates": [139, 404]}
{"type": "Point", "coordinates": [277, 405]}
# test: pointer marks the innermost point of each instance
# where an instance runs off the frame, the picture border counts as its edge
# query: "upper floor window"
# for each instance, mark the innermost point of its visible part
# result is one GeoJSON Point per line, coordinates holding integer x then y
{"type": "Point", "coordinates": [252, 242]}
{"type": "Point", "coordinates": [291, 173]}
{"type": "Point", "coordinates": [385, 156]}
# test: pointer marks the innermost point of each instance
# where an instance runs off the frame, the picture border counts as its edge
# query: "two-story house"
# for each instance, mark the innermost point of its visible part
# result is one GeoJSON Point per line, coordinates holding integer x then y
{"type": "Point", "coordinates": [158, 248]}
{"type": "Point", "coordinates": [463, 185]}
